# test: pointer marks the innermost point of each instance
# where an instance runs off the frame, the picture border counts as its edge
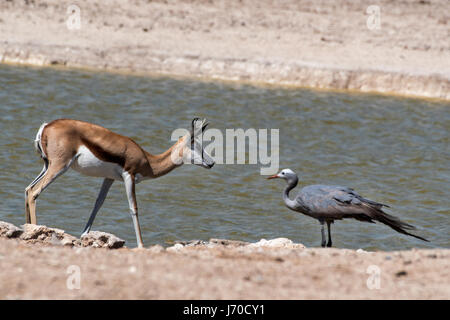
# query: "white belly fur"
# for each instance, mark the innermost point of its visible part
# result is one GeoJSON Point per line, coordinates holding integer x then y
{"type": "Point", "coordinates": [88, 164]}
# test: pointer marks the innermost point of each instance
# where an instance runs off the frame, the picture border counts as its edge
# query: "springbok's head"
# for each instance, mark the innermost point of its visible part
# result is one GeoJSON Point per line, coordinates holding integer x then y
{"type": "Point", "coordinates": [194, 151]}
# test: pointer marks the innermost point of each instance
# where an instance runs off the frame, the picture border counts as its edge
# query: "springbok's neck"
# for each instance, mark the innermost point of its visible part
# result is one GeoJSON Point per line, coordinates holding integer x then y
{"type": "Point", "coordinates": [163, 163]}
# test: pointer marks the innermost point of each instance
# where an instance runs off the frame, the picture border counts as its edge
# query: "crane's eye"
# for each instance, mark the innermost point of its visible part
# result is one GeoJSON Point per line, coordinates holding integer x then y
{"type": "Point", "coordinates": [282, 173]}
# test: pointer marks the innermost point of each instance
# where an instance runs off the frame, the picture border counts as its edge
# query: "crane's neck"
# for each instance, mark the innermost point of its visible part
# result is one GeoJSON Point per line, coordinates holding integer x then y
{"type": "Point", "coordinates": [291, 185]}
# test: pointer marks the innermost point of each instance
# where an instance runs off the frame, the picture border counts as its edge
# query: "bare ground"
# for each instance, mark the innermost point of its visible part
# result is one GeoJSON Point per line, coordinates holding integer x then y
{"type": "Point", "coordinates": [219, 270]}
{"type": "Point", "coordinates": [309, 43]}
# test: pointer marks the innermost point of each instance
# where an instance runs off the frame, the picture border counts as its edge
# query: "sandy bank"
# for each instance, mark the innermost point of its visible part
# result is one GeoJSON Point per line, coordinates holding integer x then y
{"type": "Point", "coordinates": [44, 268]}
{"type": "Point", "coordinates": [318, 44]}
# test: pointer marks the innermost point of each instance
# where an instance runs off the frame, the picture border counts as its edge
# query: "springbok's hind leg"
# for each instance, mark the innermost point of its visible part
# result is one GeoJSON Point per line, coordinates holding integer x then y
{"type": "Point", "coordinates": [54, 170]}
{"type": "Point", "coordinates": [107, 183]}
{"type": "Point", "coordinates": [27, 189]}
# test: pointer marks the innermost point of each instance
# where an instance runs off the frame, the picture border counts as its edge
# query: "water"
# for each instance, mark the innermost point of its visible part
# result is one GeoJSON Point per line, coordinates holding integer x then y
{"type": "Point", "coordinates": [390, 149]}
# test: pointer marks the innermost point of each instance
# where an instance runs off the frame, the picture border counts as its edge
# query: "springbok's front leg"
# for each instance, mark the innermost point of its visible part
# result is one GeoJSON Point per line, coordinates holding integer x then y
{"type": "Point", "coordinates": [107, 183]}
{"type": "Point", "coordinates": [130, 184]}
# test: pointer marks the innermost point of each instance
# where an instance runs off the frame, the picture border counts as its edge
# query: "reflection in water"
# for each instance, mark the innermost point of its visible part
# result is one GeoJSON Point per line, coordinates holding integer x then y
{"type": "Point", "coordinates": [391, 150]}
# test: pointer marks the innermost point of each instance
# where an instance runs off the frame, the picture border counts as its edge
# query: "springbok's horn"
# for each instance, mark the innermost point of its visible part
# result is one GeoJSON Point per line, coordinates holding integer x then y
{"type": "Point", "coordinates": [205, 124]}
{"type": "Point", "coordinates": [193, 126]}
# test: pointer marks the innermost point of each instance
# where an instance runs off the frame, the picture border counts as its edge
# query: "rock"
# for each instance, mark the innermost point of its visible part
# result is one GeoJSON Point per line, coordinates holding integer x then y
{"type": "Point", "coordinates": [277, 243]}
{"type": "Point", "coordinates": [156, 248]}
{"type": "Point", "coordinates": [9, 230]}
{"type": "Point", "coordinates": [214, 243]}
{"type": "Point", "coordinates": [100, 239]}
{"type": "Point", "coordinates": [231, 243]}
{"type": "Point", "coordinates": [32, 233]}
{"type": "Point", "coordinates": [70, 240]}
{"type": "Point", "coordinates": [175, 248]}
{"type": "Point", "coordinates": [192, 243]}
{"type": "Point", "coordinates": [43, 234]}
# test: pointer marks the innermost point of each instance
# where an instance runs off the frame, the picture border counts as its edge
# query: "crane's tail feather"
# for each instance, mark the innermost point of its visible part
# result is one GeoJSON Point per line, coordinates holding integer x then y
{"type": "Point", "coordinates": [393, 222]}
{"type": "Point", "coordinates": [373, 203]}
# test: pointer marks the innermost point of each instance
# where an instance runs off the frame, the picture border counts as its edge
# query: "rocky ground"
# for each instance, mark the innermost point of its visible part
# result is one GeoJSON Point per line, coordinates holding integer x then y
{"type": "Point", "coordinates": [310, 43]}
{"type": "Point", "coordinates": [43, 263]}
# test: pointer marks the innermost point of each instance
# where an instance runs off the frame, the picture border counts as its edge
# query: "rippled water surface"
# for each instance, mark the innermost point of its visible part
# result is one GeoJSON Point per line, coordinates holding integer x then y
{"type": "Point", "coordinates": [390, 149]}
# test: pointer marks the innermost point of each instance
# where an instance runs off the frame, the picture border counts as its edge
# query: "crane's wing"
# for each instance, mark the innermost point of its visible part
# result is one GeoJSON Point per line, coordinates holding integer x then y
{"type": "Point", "coordinates": [337, 202]}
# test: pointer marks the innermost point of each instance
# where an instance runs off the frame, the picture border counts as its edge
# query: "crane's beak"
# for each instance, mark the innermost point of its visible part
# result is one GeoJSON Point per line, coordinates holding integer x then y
{"type": "Point", "coordinates": [273, 177]}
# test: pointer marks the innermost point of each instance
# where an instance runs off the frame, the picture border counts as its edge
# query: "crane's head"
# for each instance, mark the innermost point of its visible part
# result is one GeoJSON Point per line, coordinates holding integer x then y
{"type": "Point", "coordinates": [286, 174]}
{"type": "Point", "coordinates": [195, 152]}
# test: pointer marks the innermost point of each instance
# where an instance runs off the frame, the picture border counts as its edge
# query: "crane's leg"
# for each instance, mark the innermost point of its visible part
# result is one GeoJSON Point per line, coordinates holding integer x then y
{"type": "Point", "coordinates": [329, 244]}
{"type": "Point", "coordinates": [55, 170]}
{"type": "Point", "coordinates": [107, 183]}
{"type": "Point", "coordinates": [322, 230]}
{"type": "Point", "coordinates": [131, 194]}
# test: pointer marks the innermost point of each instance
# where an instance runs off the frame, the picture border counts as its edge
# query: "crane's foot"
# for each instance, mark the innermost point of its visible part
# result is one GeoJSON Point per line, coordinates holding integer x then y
{"type": "Point", "coordinates": [329, 244]}
{"type": "Point", "coordinates": [323, 244]}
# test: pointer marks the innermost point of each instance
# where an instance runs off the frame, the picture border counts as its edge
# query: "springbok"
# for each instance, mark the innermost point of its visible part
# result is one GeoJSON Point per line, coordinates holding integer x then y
{"type": "Point", "coordinates": [95, 151]}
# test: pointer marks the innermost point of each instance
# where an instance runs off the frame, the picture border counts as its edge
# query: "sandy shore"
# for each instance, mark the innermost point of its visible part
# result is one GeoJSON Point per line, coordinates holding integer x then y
{"type": "Point", "coordinates": [318, 44]}
{"type": "Point", "coordinates": [43, 263]}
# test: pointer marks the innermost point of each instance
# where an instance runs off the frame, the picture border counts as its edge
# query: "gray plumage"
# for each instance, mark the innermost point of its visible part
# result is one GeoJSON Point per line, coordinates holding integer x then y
{"type": "Point", "coordinates": [329, 203]}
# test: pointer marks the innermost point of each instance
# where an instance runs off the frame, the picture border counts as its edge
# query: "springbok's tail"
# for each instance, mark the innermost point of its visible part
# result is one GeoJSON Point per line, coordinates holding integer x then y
{"type": "Point", "coordinates": [40, 150]}
{"type": "Point", "coordinates": [38, 144]}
